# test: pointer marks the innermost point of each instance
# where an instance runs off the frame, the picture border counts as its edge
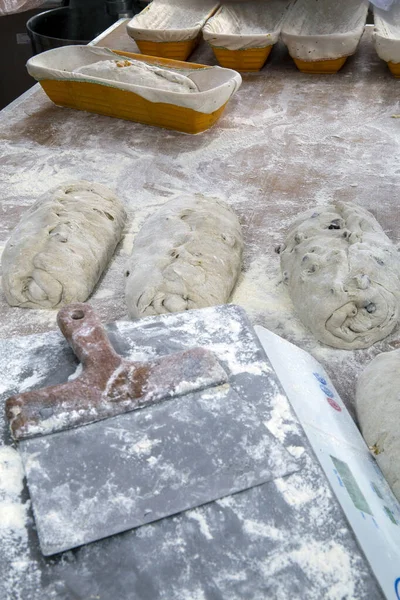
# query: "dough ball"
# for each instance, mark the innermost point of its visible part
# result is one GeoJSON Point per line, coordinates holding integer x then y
{"type": "Point", "coordinates": [343, 275]}
{"type": "Point", "coordinates": [62, 245]}
{"type": "Point", "coordinates": [378, 411]}
{"type": "Point", "coordinates": [187, 255]}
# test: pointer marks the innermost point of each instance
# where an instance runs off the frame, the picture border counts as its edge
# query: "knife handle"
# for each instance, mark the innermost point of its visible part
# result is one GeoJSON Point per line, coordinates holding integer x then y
{"type": "Point", "coordinates": [109, 384]}
{"type": "Point", "coordinates": [87, 337]}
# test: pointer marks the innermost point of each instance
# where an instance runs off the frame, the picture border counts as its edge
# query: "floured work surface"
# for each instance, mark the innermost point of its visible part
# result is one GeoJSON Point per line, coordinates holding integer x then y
{"type": "Point", "coordinates": [236, 547]}
{"type": "Point", "coordinates": [287, 142]}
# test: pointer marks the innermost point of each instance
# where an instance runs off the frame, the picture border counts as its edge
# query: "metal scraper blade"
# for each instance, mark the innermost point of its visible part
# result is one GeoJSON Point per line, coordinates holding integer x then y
{"type": "Point", "coordinates": [130, 442]}
{"type": "Point", "coordinates": [120, 473]}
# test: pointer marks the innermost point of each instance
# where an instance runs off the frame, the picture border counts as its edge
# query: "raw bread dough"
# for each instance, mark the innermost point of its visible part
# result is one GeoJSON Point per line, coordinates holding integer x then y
{"type": "Point", "coordinates": [187, 255]}
{"type": "Point", "coordinates": [343, 274]}
{"type": "Point", "coordinates": [62, 245]}
{"type": "Point", "coordinates": [139, 73]}
{"type": "Point", "coordinates": [378, 411]}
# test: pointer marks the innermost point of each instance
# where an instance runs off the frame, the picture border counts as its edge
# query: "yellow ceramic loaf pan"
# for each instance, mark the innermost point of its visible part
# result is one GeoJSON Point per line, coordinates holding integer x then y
{"type": "Point", "coordinates": [251, 59]}
{"type": "Point", "coordinates": [394, 68]}
{"type": "Point", "coordinates": [320, 66]}
{"type": "Point", "coordinates": [187, 112]}
{"type": "Point", "coordinates": [173, 50]}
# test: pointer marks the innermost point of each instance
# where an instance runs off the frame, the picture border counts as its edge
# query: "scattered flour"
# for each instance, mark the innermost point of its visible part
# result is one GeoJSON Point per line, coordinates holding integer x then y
{"type": "Point", "coordinates": [328, 565]}
{"type": "Point", "coordinates": [15, 565]}
{"type": "Point", "coordinates": [145, 445]}
{"type": "Point", "coordinates": [11, 479]}
{"type": "Point", "coordinates": [102, 294]}
{"type": "Point", "coordinates": [263, 294]}
{"type": "Point", "coordinates": [30, 382]}
{"type": "Point", "coordinates": [260, 529]}
{"type": "Point", "coordinates": [76, 373]}
{"type": "Point", "coordinates": [131, 446]}
{"type": "Point", "coordinates": [281, 422]}
{"type": "Point", "coordinates": [192, 594]}
{"type": "Point", "coordinates": [298, 491]}
{"type": "Point", "coordinates": [197, 516]}
{"type": "Point", "coordinates": [295, 451]}
{"type": "Point", "coordinates": [321, 560]}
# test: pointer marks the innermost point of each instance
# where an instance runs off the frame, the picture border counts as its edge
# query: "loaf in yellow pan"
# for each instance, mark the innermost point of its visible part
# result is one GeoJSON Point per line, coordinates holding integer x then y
{"type": "Point", "coordinates": [155, 91]}
{"type": "Point", "coordinates": [170, 28]}
{"type": "Point", "coordinates": [321, 34]}
{"type": "Point", "coordinates": [387, 36]}
{"type": "Point", "coordinates": [242, 35]}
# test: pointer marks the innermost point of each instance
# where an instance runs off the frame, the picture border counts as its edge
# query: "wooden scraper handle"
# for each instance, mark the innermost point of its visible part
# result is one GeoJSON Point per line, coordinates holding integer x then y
{"type": "Point", "coordinates": [109, 384]}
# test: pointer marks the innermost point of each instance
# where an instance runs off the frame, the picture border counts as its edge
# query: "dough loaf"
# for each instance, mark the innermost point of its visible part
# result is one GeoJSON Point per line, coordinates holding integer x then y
{"type": "Point", "coordinates": [378, 411]}
{"type": "Point", "coordinates": [187, 255]}
{"type": "Point", "coordinates": [139, 73]}
{"type": "Point", "coordinates": [343, 275]}
{"type": "Point", "coordinates": [62, 245]}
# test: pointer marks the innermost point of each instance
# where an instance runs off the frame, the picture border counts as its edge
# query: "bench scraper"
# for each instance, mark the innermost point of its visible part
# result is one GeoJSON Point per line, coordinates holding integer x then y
{"type": "Point", "coordinates": [96, 465]}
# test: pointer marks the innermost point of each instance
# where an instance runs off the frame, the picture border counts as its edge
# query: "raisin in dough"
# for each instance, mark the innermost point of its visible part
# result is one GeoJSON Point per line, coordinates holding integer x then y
{"type": "Point", "coordinates": [378, 411]}
{"type": "Point", "coordinates": [343, 275]}
{"type": "Point", "coordinates": [62, 245]}
{"type": "Point", "coordinates": [187, 255]}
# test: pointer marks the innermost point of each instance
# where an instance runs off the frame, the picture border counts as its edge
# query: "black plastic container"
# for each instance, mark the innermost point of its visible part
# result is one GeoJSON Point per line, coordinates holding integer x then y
{"type": "Point", "coordinates": [66, 27]}
{"type": "Point", "coordinates": [118, 7]}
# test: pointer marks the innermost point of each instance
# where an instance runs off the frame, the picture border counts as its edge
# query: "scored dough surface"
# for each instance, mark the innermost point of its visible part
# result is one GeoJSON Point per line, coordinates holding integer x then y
{"type": "Point", "coordinates": [187, 255]}
{"type": "Point", "coordinates": [139, 73]}
{"type": "Point", "coordinates": [61, 246]}
{"type": "Point", "coordinates": [343, 275]}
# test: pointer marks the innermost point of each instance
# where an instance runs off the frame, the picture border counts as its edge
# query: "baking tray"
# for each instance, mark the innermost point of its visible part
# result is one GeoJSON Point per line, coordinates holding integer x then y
{"type": "Point", "coordinates": [187, 112]}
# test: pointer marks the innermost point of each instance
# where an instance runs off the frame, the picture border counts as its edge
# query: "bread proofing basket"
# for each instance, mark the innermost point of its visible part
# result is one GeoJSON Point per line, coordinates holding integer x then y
{"type": "Point", "coordinates": [187, 112]}
{"type": "Point", "coordinates": [242, 34]}
{"type": "Point", "coordinates": [321, 34]}
{"type": "Point", "coordinates": [170, 28]}
{"type": "Point", "coordinates": [387, 36]}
